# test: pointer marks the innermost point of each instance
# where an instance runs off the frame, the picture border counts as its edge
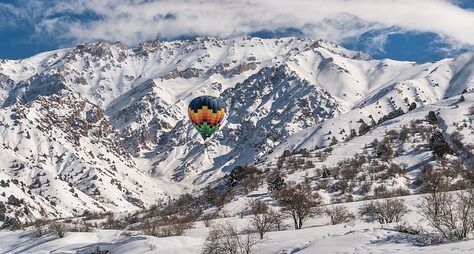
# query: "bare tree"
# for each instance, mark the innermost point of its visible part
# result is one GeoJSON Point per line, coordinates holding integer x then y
{"type": "Point", "coordinates": [207, 219]}
{"type": "Point", "coordinates": [339, 214]}
{"type": "Point", "coordinates": [58, 228]}
{"type": "Point", "coordinates": [38, 228]}
{"type": "Point", "coordinates": [247, 241]}
{"type": "Point", "coordinates": [261, 217]}
{"type": "Point", "coordinates": [225, 239]}
{"type": "Point", "coordinates": [80, 226]}
{"type": "Point", "coordinates": [150, 227]}
{"type": "Point", "coordinates": [112, 223]}
{"type": "Point", "coordinates": [299, 201]}
{"type": "Point", "coordinates": [451, 215]}
{"type": "Point", "coordinates": [456, 140]}
{"type": "Point", "coordinates": [387, 211]}
{"type": "Point", "coordinates": [172, 225]}
{"type": "Point", "coordinates": [277, 219]}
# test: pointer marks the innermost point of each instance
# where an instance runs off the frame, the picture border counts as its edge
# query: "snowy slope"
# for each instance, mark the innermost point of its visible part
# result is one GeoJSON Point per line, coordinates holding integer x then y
{"type": "Point", "coordinates": [318, 236]}
{"type": "Point", "coordinates": [64, 151]}
{"type": "Point", "coordinates": [104, 127]}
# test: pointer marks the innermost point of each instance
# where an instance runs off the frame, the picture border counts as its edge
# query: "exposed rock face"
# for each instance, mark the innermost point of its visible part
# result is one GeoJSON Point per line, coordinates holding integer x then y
{"type": "Point", "coordinates": [104, 127]}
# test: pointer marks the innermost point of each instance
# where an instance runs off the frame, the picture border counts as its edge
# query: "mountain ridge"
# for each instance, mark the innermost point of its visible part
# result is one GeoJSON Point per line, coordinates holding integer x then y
{"type": "Point", "coordinates": [108, 103]}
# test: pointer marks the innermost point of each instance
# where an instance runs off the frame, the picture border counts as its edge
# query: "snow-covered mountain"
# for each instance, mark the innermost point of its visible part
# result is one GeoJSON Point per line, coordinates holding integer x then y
{"type": "Point", "coordinates": [104, 127]}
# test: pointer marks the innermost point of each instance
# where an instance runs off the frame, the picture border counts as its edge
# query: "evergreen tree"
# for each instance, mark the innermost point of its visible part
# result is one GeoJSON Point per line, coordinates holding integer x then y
{"type": "Point", "coordinates": [363, 128]}
{"type": "Point", "coordinates": [439, 146]}
{"type": "Point", "coordinates": [432, 118]}
{"type": "Point", "coordinates": [275, 181]}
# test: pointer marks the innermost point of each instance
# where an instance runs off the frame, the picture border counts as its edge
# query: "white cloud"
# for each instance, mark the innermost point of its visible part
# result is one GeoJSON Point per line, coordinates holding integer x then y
{"type": "Point", "coordinates": [8, 15]}
{"type": "Point", "coordinates": [133, 21]}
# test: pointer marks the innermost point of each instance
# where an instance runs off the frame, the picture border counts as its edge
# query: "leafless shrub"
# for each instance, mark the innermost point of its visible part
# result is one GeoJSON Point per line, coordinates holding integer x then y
{"type": "Point", "coordinates": [380, 191]}
{"type": "Point", "coordinates": [349, 173]}
{"type": "Point", "coordinates": [457, 140]}
{"type": "Point", "coordinates": [400, 191]}
{"type": "Point", "coordinates": [88, 215]}
{"type": "Point", "coordinates": [174, 229]}
{"type": "Point", "coordinates": [395, 169]}
{"type": "Point", "coordinates": [213, 197]}
{"type": "Point", "coordinates": [150, 227]}
{"type": "Point", "coordinates": [404, 134]}
{"type": "Point", "coordinates": [39, 229]}
{"type": "Point", "coordinates": [250, 184]}
{"type": "Point", "coordinates": [81, 227]}
{"type": "Point", "coordinates": [445, 174]}
{"type": "Point", "coordinates": [339, 214]}
{"type": "Point", "coordinates": [451, 215]}
{"type": "Point", "coordinates": [309, 164]}
{"type": "Point", "coordinates": [365, 188]}
{"type": "Point", "coordinates": [225, 239]}
{"type": "Point", "coordinates": [173, 225]}
{"type": "Point", "coordinates": [387, 211]}
{"type": "Point", "coordinates": [112, 223]}
{"type": "Point", "coordinates": [207, 219]}
{"type": "Point", "coordinates": [261, 217]}
{"type": "Point", "coordinates": [341, 186]}
{"type": "Point", "coordinates": [58, 228]}
{"type": "Point", "coordinates": [126, 233]}
{"type": "Point", "coordinates": [277, 219]}
{"type": "Point", "coordinates": [322, 184]}
{"type": "Point", "coordinates": [404, 227]}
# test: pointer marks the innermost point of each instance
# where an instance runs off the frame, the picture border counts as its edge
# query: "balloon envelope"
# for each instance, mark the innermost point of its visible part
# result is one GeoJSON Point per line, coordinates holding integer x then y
{"type": "Point", "coordinates": [206, 114]}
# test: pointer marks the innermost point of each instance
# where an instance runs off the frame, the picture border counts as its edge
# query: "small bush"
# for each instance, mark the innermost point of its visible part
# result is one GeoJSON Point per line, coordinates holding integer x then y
{"type": "Point", "coordinates": [225, 239]}
{"type": "Point", "coordinates": [451, 215]}
{"type": "Point", "coordinates": [58, 229]}
{"type": "Point", "coordinates": [112, 223]}
{"type": "Point", "coordinates": [207, 219]}
{"type": "Point", "coordinates": [277, 219]}
{"type": "Point", "coordinates": [407, 229]}
{"type": "Point", "coordinates": [81, 227]}
{"type": "Point", "coordinates": [387, 211]}
{"type": "Point", "coordinates": [173, 225]}
{"type": "Point", "coordinates": [39, 229]}
{"type": "Point", "coordinates": [339, 214]}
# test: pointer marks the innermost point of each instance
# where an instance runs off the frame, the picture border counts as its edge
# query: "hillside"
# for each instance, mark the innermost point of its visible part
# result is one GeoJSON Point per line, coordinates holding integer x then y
{"type": "Point", "coordinates": [103, 127]}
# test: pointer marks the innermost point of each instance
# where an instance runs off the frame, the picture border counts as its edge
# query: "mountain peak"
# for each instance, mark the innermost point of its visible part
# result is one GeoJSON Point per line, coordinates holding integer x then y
{"type": "Point", "coordinates": [107, 124]}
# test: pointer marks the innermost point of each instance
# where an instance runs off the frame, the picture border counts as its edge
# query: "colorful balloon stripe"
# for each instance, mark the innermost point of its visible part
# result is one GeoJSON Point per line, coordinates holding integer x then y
{"type": "Point", "coordinates": [206, 113]}
{"type": "Point", "coordinates": [206, 130]}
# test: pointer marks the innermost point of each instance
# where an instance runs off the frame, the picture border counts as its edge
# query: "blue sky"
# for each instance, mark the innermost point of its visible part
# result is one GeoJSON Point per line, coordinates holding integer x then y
{"type": "Point", "coordinates": [421, 31]}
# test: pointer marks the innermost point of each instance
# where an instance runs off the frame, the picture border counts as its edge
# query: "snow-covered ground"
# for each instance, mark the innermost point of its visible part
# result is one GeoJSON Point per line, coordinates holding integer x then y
{"type": "Point", "coordinates": [103, 128]}
{"type": "Point", "coordinates": [317, 236]}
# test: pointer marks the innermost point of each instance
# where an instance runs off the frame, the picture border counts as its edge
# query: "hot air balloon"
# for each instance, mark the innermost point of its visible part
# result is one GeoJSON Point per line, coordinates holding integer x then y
{"type": "Point", "coordinates": [206, 114]}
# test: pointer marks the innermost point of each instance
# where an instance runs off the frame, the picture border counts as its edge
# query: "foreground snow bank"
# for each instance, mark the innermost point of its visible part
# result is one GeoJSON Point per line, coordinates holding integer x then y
{"type": "Point", "coordinates": [361, 238]}
{"type": "Point", "coordinates": [111, 240]}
